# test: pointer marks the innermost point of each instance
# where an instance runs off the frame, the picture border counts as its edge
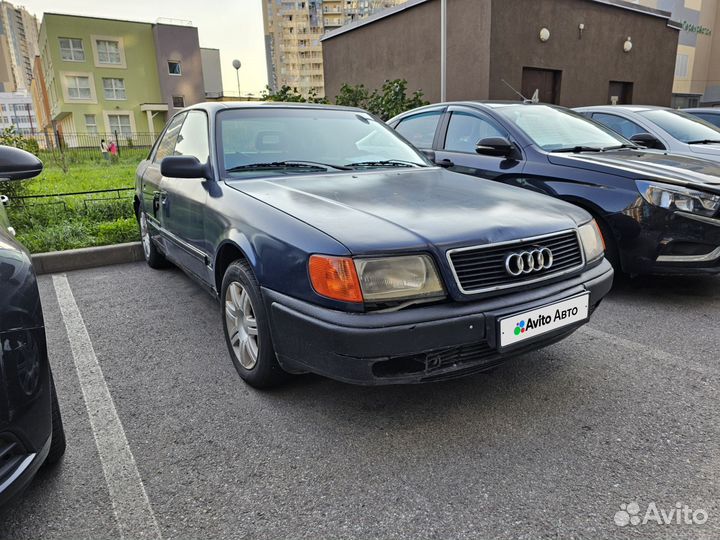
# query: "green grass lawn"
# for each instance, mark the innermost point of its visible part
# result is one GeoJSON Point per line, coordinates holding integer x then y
{"type": "Point", "coordinates": [57, 223]}
{"type": "Point", "coordinates": [82, 177]}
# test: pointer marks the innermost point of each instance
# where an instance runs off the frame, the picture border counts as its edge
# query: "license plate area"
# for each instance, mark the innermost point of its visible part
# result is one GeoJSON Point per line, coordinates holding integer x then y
{"type": "Point", "coordinates": [524, 326]}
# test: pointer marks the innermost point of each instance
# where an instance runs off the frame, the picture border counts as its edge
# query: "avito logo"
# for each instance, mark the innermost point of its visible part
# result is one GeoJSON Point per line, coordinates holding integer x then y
{"type": "Point", "coordinates": [541, 320]}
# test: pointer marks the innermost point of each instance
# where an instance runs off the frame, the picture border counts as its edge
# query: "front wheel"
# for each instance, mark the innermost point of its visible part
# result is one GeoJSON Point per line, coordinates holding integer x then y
{"type": "Point", "coordinates": [247, 329]}
{"type": "Point", "coordinates": [153, 257]}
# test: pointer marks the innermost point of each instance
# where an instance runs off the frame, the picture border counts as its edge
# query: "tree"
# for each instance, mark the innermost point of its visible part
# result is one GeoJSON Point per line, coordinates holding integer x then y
{"type": "Point", "coordinates": [393, 99]}
{"type": "Point", "coordinates": [290, 95]}
{"type": "Point", "coordinates": [353, 96]}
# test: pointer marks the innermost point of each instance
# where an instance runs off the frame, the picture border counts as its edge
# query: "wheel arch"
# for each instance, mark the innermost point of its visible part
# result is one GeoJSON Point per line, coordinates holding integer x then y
{"type": "Point", "coordinates": [231, 249]}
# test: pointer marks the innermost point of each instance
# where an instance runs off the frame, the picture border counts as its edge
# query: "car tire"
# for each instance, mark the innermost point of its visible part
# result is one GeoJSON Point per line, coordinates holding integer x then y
{"type": "Point", "coordinates": [57, 443]}
{"type": "Point", "coordinates": [152, 254]}
{"type": "Point", "coordinates": [247, 328]}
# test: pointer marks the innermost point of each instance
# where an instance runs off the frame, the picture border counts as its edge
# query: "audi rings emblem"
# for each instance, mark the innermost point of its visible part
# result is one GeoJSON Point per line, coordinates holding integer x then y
{"type": "Point", "coordinates": [527, 262]}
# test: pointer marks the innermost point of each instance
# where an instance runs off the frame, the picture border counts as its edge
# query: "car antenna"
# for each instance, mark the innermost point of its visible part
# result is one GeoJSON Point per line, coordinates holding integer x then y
{"type": "Point", "coordinates": [525, 100]}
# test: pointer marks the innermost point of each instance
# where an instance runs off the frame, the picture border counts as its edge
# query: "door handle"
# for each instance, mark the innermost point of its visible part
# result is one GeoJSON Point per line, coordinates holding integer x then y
{"type": "Point", "coordinates": [163, 197]}
{"type": "Point", "coordinates": [445, 163]}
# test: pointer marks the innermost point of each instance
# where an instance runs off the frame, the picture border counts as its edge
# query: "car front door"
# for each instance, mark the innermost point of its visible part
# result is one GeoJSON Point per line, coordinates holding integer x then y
{"type": "Point", "coordinates": [151, 178]}
{"type": "Point", "coordinates": [458, 139]}
{"type": "Point", "coordinates": [183, 200]}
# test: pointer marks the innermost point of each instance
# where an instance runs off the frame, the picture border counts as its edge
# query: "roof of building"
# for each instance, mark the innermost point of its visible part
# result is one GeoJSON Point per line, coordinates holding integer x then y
{"type": "Point", "coordinates": [630, 6]}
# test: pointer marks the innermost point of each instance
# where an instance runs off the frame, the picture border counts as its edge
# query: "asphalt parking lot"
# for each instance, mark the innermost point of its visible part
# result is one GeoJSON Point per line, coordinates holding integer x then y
{"type": "Point", "coordinates": [548, 445]}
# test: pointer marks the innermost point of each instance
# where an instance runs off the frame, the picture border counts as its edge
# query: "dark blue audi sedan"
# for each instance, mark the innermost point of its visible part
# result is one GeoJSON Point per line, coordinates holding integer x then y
{"type": "Point", "coordinates": [337, 248]}
{"type": "Point", "coordinates": [659, 212]}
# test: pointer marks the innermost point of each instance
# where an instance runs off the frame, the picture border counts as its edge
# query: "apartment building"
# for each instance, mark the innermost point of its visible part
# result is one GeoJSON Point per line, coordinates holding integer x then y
{"type": "Point", "coordinates": [100, 75]}
{"type": "Point", "coordinates": [16, 110]}
{"type": "Point", "coordinates": [697, 69]}
{"type": "Point", "coordinates": [292, 37]}
{"type": "Point", "coordinates": [18, 47]}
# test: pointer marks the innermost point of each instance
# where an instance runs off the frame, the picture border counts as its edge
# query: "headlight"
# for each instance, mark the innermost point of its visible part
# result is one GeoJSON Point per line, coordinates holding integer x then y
{"type": "Point", "coordinates": [679, 198]}
{"type": "Point", "coordinates": [592, 240]}
{"type": "Point", "coordinates": [398, 278]}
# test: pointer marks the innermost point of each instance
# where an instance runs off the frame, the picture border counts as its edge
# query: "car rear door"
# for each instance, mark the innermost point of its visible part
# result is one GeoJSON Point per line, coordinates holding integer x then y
{"type": "Point", "coordinates": [463, 129]}
{"type": "Point", "coordinates": [183, 200]}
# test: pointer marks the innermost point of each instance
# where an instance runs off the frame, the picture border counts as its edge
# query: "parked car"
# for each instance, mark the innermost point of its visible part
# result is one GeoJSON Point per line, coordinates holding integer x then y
{"type": "Point", "coordinates": [660, 128]}
{"type": "Point", "coordinates": [31, 429]}
{"type": "Point", "coordinates": [659, 213]}
{"type": "Point", "coordinates": [336, 248]}
{"type": "Point", "coordinates": [709, 114]}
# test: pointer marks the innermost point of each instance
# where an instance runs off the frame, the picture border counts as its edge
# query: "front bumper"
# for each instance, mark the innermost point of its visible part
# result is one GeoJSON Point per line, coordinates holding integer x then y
{"type": "Point", "coordinates": [662, 242]}
{"type": "Point", "coordinates": [25, 408]}
{"type": "Point", "coordinates": [415, 345]}
{"type": "Point", "coordinates": [17, 466]}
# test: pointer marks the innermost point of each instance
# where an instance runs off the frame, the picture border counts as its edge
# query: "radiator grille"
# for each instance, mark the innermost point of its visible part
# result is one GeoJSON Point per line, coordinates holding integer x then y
{"type": "Point", "coordinates": [482, 268]}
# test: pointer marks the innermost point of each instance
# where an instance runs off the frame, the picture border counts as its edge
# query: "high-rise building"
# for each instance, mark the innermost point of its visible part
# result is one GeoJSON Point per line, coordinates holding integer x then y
{"type": "Point", "coordinates": [292, 37]}
{"type": "Point", "coordinates": [697, 70]}
{"type": "Point", "coordinates": [18, 47]}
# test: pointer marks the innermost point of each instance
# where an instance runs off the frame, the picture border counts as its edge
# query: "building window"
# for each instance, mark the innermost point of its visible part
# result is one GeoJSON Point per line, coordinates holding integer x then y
{"type": "Point", "coordinates": [174, 68]}
{"type": "Point", "coordinates": [120, 123]}
{"type": "Point", "coordinates": [681, 66]}
{"type": "Point", "coordinates": [78, 87]}
{"type": "Point", "coordinates": [71, 49]}
{"type": "Point", "coordinates": [90, 123]}
{"type": "Point", "coordinates": [178, 102]}
{"type": "Point", "coordinates": [114, 89]}
{"type": "Point", "coordinates": [108, 52]}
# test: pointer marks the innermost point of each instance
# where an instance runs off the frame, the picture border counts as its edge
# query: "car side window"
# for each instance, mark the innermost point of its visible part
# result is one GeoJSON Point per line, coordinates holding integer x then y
{"type": "Point", "coordinates": [166, 146]}
{"type": "Point", "coordinates": [193, 137]}
{"type": "Point", "coordinates": [621, 125]}
{"type": "Point", "coordinates": [420, 128]}
{"type": "Point", "coordinates": [465, 130]}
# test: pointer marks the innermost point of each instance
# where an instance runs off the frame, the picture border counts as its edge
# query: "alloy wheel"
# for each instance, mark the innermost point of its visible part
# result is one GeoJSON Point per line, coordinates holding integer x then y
{"type": "Point", "coordinates": [241, 325]}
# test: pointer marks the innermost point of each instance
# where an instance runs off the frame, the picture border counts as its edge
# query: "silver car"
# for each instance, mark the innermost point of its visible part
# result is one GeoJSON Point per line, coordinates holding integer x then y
{"type": "Point", "coordinates": [659, 127]}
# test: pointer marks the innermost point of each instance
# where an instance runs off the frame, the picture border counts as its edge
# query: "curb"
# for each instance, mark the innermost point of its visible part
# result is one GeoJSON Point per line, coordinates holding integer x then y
{"type": "Point", "coordinates": [92, 257]}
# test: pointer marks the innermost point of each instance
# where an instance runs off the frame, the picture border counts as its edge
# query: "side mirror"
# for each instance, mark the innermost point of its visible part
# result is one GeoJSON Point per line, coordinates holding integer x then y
{"type": "Point", "coordinates": [16, 164]}
{"type": "Point", "coordinates": [495, 146]}
{"type": "Point", "coordinates": [184, 167]}
{"type": "Point", "coordinates": [648, 141]}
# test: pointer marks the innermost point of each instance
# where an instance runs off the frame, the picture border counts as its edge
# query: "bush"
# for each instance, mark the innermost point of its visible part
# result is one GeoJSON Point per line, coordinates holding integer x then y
{"type": "Point", "coordinates": [290, 95]}
{"type": "Point", "coordinates": [10, 137]}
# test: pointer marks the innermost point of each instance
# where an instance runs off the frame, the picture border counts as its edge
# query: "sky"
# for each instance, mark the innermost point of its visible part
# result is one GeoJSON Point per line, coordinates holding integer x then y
{"type": "Point", "coordinates": [233, 26]}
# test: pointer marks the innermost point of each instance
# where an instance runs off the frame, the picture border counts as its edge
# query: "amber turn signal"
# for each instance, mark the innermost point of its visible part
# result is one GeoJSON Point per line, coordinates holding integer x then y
{"type": "Point", "coordinates": [335, 277]}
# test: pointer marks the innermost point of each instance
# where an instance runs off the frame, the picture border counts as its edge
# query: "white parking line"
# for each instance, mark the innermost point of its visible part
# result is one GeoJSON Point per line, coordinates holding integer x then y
{"type": "Point", "coordinates": [134, 515]}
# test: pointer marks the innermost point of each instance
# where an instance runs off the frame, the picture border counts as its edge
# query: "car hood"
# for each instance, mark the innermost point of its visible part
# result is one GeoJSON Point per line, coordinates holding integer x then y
{"type": "Point", "coordinates": [706, 151]}
{"type": "Point", "coordinates": [644, 164]}
{"type": "Point", "coordinates": [380, 211]}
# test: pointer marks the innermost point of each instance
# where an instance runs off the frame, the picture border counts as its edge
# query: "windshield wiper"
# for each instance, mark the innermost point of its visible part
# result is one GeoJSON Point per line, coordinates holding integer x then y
{"type": "Point", "coordinates": [293, 164]}
{"type": "Point", "coordinates": [575, 149]}
{"type": "Point", "coordinates": [383, 163]}
{"type": "Point", "coordinates": [704, 141]}
{"type": "Point", "coordinates": [619, 147]}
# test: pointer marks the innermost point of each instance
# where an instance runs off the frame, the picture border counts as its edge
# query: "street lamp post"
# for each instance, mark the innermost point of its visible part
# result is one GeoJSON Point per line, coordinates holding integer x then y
{"type": "Point", "coordinates": [443, 50]}
{"type": "Point", "coordinates": [236, 64]}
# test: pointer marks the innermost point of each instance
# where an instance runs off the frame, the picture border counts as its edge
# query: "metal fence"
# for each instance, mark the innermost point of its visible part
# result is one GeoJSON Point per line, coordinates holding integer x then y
{"type": "Point", "coordinates": [75, 146]}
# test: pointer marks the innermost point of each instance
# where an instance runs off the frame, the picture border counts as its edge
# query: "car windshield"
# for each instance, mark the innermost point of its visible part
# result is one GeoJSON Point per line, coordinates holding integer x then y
{"type": "Point", "coordinates": [268, 141]}
{"type": "Point", "coordinates": [683, 126]}
{"type": "Point", "coordinates": [555, 129]}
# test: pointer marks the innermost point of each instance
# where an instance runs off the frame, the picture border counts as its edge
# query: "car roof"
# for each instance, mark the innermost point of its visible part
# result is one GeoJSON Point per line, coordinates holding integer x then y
{"type": "Point", "coordinates": [712, 110]}
{"type": "Point", "coordinates": [215, 106]}
{"type": "Point", "coordinates": [631, 108]}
